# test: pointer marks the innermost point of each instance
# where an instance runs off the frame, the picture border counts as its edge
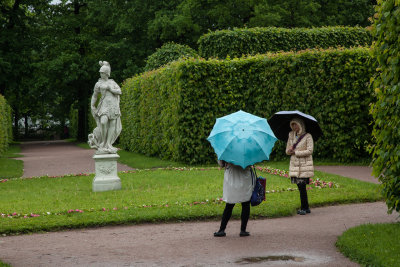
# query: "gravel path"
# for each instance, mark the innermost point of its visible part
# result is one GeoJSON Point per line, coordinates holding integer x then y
{"type": "Point", "coordinates": [362, 173]}
{"type": "Point", "coordinates": [309, 239]}
{"type": "Point", "coordinates": [56, 158]}
{"type": "Point", "coordinates": [291, 241]}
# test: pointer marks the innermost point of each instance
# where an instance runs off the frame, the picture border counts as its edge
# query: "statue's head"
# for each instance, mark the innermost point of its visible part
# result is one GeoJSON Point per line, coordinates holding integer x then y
{"type": "Point", "coordinates": [105, 68]}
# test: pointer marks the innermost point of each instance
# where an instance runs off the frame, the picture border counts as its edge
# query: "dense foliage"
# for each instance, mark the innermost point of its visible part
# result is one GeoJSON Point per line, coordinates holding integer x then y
{"type": "Point", "coordinates": [5, 125]}
{"type": "Point", "coordinates": [19, 43]}
{"type": "Point", "coordinates": [190, 19]}
{"type": "Point", "coordinates": [386, 110]}
{"type": "Point", "coordinates": [49, 49]}
{"type": "Point", "coordinates": [238, 42]}
{"type": "Point", "coordinates": [171, 111]}
{"type": "Point", "coordinates": [49, 52]}
{"type": "Point", "coordinates": [167, 53]}
{"type": "Point", "coordinates": [311, 13]}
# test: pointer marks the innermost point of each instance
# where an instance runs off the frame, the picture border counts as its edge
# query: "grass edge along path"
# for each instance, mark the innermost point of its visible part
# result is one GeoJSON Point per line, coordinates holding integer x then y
{"type": "Point", "coordinates": [372, 244]}
{"type": "Point", "coordinates": [281, 201]}
{"type": "Point", "coordinates": [9, 166]}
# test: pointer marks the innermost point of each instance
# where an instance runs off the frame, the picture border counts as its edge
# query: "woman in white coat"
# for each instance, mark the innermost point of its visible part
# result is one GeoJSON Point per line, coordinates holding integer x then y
{"type": "Point", "coordinates": [238, 188]}
{"type": "Point", "coordinates": [300, 146]}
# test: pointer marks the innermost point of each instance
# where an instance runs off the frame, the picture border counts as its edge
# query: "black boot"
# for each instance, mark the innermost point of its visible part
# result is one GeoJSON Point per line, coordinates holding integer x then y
{"type": "Point", "coordinates": [225, 219]}
{"type": "Point", "coordinates": [244, 218]}
{"type": "Point", "coordinates": [303, 199]}
{"type": "Point", "coordinates": [220, 233]}
{"type": "Point", "coordinates": [244, 233]}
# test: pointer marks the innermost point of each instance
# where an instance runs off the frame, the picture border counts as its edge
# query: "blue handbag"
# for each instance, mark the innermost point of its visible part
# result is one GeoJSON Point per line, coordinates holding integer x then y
{"type": "Point", "coordinates": [258, 194]}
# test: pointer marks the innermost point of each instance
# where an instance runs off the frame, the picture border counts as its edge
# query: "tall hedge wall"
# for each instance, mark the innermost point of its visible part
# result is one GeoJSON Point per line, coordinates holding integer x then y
{"type": "Point", "coordinates": [251, 41]}
{"type": "Point", "coordinates": [170, 112]}
{"type": "Point", "coordinates": [5, 125]}
{"type": "Point", "coordinates": [386, 110]}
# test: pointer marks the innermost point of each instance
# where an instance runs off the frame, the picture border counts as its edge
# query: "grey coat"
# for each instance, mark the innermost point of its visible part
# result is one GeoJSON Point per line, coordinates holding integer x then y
{"type": "Point", "coordinates": [238, 183]}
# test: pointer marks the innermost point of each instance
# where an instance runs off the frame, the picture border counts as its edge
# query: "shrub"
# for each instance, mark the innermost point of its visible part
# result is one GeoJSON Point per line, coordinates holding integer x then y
{"type": "Point", "coordinates": [238, 42]}
{"type": "Point", "coordinates": [170, 112]}
{"type": "Point", "coordinates": [5, 125]}
{"type": "Point", "coordinates": [167, 53]}
{"type": "Point", "coordinates": [386, 111]}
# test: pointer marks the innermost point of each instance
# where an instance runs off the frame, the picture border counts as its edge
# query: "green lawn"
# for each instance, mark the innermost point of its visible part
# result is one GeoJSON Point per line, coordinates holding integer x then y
{"type": "Point", "coordinates": [13, 151]}
{"type": "Point", "coordinates": [9, 167]}
{"type": "Point", "coordinates": [152, 196]}
{"type": "Point", "coordinates": [139, 161]}
{"type": "Point", "coordinates": [372, 244]}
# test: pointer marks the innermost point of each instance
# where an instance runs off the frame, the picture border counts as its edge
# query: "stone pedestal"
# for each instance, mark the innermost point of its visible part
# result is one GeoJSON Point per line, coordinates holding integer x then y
{"type": "Point", "coordinates": [106, 178]}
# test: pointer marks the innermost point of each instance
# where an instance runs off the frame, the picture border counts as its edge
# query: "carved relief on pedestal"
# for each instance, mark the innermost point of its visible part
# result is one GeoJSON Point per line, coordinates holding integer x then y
{"type": "Point", "coordinates": [107, 168]}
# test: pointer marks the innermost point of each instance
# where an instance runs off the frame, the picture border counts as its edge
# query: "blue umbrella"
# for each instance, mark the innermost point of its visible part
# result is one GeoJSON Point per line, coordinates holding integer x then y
{"type": "Point", "coordinates": [242, 139]}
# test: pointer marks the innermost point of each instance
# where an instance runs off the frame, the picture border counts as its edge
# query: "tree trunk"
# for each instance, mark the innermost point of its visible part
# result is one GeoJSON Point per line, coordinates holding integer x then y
{"type": "Point", "coordinates": [16, 126]}
{"type": "Point", "coordinates": [82, 90]}
{"type": "Point", "coordinates": [82, 134]}
{"type": "Point", "coordinates": [26, 125]}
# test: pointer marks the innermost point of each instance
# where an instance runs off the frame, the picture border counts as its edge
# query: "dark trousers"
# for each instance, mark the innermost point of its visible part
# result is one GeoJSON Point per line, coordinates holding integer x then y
{"type": "Point", "coordinates": [228, 213]}
{"type": "Point", "coordinates": [303, 196]}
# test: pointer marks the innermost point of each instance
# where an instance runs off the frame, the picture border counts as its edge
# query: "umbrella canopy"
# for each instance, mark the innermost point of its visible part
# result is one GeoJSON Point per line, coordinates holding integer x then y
{"type": "Point", "coordinates": [280, 124]}
{"type": "Point", "coordinates": [242, 139]}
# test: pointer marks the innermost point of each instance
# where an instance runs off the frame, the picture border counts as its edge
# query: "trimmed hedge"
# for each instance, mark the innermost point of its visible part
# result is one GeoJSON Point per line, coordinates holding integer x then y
{"type": "Point", "coordinates": [252, 41]}
{"type": "Point", "coordinates": [5, 125]}
{"type": "Point", "coordinates": [167, 53]}
{"type": "Point", "coordinates": [386, 110]}
{"type": "Point", "coordinates": [170, 112]}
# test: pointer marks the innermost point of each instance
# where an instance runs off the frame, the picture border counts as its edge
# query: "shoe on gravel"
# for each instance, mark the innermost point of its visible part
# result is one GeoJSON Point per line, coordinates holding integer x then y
{"type": "Point", "coordinates": [307, 211]}
{"type": "Point", "coordinates": [220, 234]}
{"type": "Point", "coordinates": [244, 233]}
{"type": "Point", "coordinates": [301, 212]}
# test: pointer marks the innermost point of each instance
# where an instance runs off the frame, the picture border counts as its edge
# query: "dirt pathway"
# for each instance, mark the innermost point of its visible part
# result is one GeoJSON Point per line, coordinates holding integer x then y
{"type": "Point", "coordinates": [59, 157]}
{"type": "Point", "coordinates": [363, 173]}
{"type": "Point", "coordinates": [309, 239]}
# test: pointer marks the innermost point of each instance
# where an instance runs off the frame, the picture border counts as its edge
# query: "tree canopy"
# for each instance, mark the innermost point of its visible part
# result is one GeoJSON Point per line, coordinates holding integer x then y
{"type": "Point", "coordinates": [49, 51]}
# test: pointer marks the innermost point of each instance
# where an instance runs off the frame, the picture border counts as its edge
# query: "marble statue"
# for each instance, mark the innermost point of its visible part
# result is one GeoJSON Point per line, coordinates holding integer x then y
{"type": "Point", "coordinates": [108, 127]}
{"type": "Point", "coordinates": [107, 113]}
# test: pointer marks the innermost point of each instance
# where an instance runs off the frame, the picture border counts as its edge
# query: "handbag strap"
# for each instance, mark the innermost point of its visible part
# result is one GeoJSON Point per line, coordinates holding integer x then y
{"type": "Point", "coordinates": [298, 140]}
{"type": "Point", "coordinates": [254, 175]}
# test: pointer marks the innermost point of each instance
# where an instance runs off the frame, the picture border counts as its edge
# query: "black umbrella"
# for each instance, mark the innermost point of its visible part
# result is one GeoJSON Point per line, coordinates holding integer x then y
{"type": "Point", "coordinates": [280, 124]}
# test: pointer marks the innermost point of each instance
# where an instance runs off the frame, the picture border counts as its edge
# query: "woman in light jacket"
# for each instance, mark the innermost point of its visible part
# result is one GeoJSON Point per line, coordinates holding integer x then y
{"type": "Point", "coordinates": [300, 146]}
{"type": "Point", "coordinates": [238, 188]}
